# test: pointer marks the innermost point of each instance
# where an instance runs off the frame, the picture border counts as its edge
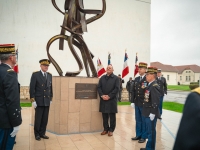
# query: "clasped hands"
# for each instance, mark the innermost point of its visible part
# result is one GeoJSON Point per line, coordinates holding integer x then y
{"type": "Point", "coordinates": [105, 97]}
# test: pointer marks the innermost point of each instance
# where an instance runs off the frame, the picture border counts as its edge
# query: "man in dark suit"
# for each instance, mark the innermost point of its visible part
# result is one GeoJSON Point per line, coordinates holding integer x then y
{"type": "Point", "coordinates": [121, 81]}
{"type": "Point", "coordinates": [163, 89]}
{"type": "Point", "coordinates": [10, 110]}
{"type": "Point", "coordinates": [129, 88]}
{"type": "Point", "coordinates": [137, 101]}
{"type": "Point", "coordinates": [150, 107]}
{"type": "Point", "coordinates": [188, 134]}
{"type": "Point", "coordinates": [41, 96]}
{"type": "Point", "coordinates": [108, 87]}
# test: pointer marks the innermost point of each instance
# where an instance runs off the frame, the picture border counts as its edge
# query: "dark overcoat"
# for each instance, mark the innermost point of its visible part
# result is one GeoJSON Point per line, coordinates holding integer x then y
{"type": "Point", "coordinates": [188, 136]}
{"type": "Point", "coordinates": [108, 85]}
{"type": "Point", "coordinates": [41, 89]}
{"type": "Point", "coordinates": [10, 110]}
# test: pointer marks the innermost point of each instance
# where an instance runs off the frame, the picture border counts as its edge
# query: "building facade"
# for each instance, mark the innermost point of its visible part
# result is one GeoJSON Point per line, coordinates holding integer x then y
{"type": "Point", "coordinates": [179, 74]}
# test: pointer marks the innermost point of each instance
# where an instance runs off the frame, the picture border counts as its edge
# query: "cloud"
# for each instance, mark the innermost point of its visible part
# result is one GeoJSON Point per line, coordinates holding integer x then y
{"type": "Point", "coordinates": [175, 31]}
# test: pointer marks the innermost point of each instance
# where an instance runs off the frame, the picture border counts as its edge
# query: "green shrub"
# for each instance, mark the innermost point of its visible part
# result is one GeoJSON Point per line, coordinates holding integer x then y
{"type": "Point", "coordinates": [193, 86]}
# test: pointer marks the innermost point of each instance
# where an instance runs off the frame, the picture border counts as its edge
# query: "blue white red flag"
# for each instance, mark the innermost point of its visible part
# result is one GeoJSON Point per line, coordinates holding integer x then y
{"type": "Point", "coordinates": [125, 68]}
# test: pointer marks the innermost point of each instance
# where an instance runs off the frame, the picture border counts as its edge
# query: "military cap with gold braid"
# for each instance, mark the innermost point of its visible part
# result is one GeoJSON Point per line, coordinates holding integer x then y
{"type": "Point", "coordinates": [7, 49]}
{"type": "Point", "coordinates": [44, 62]}
{"type": "Point", "coordinates": [142, 65]}
{"type": "Point", "coordinates": [152, 70]}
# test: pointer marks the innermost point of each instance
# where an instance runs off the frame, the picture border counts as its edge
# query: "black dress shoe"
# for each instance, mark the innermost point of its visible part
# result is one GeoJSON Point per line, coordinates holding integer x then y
{"type": "Point", "coordinates": [15, 142]}
{"type": "Point", "coordinates": [135, 138]}
{"type": "Point", "coordinates": [160, 118]}
{"type": "Point", "coordinates": [141, 141]}
{"type": "Point", "coordinates": [142, 148]}
{"type": "Point", "coordinates": [44, 137]}
{"type": "Point", "coordinates": [38, 138]}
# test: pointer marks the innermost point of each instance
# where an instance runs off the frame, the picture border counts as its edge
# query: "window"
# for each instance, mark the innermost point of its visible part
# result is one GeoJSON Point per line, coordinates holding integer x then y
{"type": "Point", "coordinates": [167, 77]}
{"type": "Point", "coordinates": [180, 77]}
{"type": "Point", "coordinates": [186, 78]}
{"type": "Point", "coordinates": [189, 78]}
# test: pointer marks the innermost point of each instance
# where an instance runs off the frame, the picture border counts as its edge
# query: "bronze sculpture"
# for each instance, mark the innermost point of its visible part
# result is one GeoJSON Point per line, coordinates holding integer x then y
{"type": "Point", "coordinates": [75, 23]}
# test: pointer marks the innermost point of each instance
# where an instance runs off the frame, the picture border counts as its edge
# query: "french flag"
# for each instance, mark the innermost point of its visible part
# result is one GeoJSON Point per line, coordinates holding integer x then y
{"type": "Point", "coordinates": [100, 68]}
{"type": "Point", "coordinates": [126, 68]}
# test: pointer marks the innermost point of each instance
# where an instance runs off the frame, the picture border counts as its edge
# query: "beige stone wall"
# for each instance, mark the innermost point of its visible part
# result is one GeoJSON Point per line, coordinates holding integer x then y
{"type": "Point", "coordinates": [24, 92]}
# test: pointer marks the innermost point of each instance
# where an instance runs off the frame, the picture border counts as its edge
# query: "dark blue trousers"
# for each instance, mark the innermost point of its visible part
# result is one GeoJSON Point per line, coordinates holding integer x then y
{"type": "Point", "coordinates": [151, 133]}
{"type": "Point", "coordinates": [160, 105]}
{"type": "Point", "coordinates": [6, 141]}
{"type": "Point", "coordinates": [140, 123]}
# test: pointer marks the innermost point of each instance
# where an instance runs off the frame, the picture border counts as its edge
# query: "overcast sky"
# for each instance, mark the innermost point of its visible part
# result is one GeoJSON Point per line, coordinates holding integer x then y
{"type": "Point", "coordinates": [175, 31]}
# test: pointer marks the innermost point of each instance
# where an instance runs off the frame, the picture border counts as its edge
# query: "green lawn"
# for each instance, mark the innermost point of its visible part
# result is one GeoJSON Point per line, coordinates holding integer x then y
{"type": "Point", "coordinates": [179, 87]}
{"type": "Point", "coordinates": [123, 103]}
{"type": "Point", "coordinates": [25, 104]}
{"type": "Point", "coordinates": [173, 106]}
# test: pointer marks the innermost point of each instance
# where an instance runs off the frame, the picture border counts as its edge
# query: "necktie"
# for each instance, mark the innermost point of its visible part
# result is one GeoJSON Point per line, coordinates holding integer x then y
{"type": "Point", "coordinates": [140, 78]}
{"type": "Point", "coordinates": [45, 76]}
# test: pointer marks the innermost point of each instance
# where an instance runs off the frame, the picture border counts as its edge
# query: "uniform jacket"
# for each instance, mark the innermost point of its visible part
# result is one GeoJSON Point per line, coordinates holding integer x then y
{"type": "Point", "coordinates": [129, 86]}
{"type": "Point", "coordinates": [10, 110]}
{"type": "Point", "coordinates": [40, 90]}
{"type": "Point", "coordinates": [189, 130]}
{"type": "Point", "coordinates": [108, 85]}
{"type": "Point", "coordinates": [138, 91]}
{"type": "Point", "coordinates": [152, 100]}
{"type": "Point", "coordinates": [163, 85]}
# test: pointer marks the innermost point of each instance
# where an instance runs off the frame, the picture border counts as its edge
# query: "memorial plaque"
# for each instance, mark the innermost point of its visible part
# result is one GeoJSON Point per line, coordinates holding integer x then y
{"type": "Point", "coordinates": [85, 91]}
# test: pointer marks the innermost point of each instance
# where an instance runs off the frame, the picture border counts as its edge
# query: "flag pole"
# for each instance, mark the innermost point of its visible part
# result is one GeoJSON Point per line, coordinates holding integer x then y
{"type": "Point", "coordinates": [135, 64]}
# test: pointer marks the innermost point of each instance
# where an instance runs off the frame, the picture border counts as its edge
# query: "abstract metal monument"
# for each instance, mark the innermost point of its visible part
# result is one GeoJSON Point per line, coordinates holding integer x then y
{"type": "Point", "coordinates": [75, 22]}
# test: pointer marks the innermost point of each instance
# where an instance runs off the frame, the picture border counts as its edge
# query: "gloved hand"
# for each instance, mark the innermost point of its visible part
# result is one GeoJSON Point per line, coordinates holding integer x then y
{"type": "Point", "coordinates": [152, 116]}
{"type": "Point", "coordinates": [165, 94]}
{"type": "Point", "coordinates": [15, 130]}
{"type": "Point", "coordinates": [50, 102]}
{"type": "Point", "coordinates": [34, 104]}
{"type": "Point", "coordinates": [133, 105]}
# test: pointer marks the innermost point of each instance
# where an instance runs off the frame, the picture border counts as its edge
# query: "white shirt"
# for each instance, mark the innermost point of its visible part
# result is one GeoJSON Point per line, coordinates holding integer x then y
{"type": "Point", "coordinates": [150, 82]}
{"type": "Point", "coordinates": [43, 73]}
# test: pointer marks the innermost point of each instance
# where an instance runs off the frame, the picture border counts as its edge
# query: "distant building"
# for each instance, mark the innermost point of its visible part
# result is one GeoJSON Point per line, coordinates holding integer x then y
{"type": "Point", "coordinates": [182, 74]}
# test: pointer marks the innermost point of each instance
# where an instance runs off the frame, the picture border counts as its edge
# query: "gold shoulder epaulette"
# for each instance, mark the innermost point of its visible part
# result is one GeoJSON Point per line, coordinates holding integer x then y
{"type": "Point", "coordinates": [49, 72]}
{"type": "Point", "coordinates": [35, 71]}
{"type": "Point", "coordinates": [196, 90]}
{"type": "Point", "coordinates": [9, 70]}
{"type": "Point", "coordinates": [155, 84]}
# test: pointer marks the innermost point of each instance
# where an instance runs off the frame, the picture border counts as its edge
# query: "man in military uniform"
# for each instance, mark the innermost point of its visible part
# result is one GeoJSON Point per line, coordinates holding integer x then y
{"type": "Point", "coordinates": [137, 101]}
{"type": "Point", "coordinates": [41, 96]}
{"type": "Point", "coordinates": [150, 107]}
{"type": "Point", "coordinates": [121, 87]}
{"type": "Point", "coordinates": [108, 87]}
{"type": "Point", "coordinates": [188, 134]}
{"type": "Point", "coordinates": [10, 110]}
{"type": "Point", "coordinates": [163, 89]}
{"type": "Point", "coordinates": [129, 88]}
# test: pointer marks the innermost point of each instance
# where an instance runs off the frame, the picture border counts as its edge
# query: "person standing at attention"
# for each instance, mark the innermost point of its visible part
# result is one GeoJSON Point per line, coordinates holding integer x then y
{"type": "Point", "coordinates": [137, 101]}
{"type": "Point", "coordinates": [41, 96]}
{"type": "Point", "coordinates": [163, 89]}
{"type": "Point", "coordinates": [10, 109]}
{"type": "Point", "coordinates": [129, 88]}
{"type": "Point", "coordinates": [151, 107]}
{"type": "Point", "coordinates": [108, 88]}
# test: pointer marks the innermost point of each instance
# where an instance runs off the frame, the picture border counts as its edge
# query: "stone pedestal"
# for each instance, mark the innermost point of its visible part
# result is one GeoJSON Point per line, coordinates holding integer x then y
{"type": "Point", "coordinates": [69, 115]}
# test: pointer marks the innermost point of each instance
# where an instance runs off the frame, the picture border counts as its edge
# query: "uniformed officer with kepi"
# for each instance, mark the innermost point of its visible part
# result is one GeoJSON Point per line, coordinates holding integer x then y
{"type": "Point", "coordinates": [150, 107]}
{"type": "Point", "coordinates": [137, 100]}
{"type": "Point", "coordinates": [41, 96]}
{"type": "Point", "coordinates": [10, 110]}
